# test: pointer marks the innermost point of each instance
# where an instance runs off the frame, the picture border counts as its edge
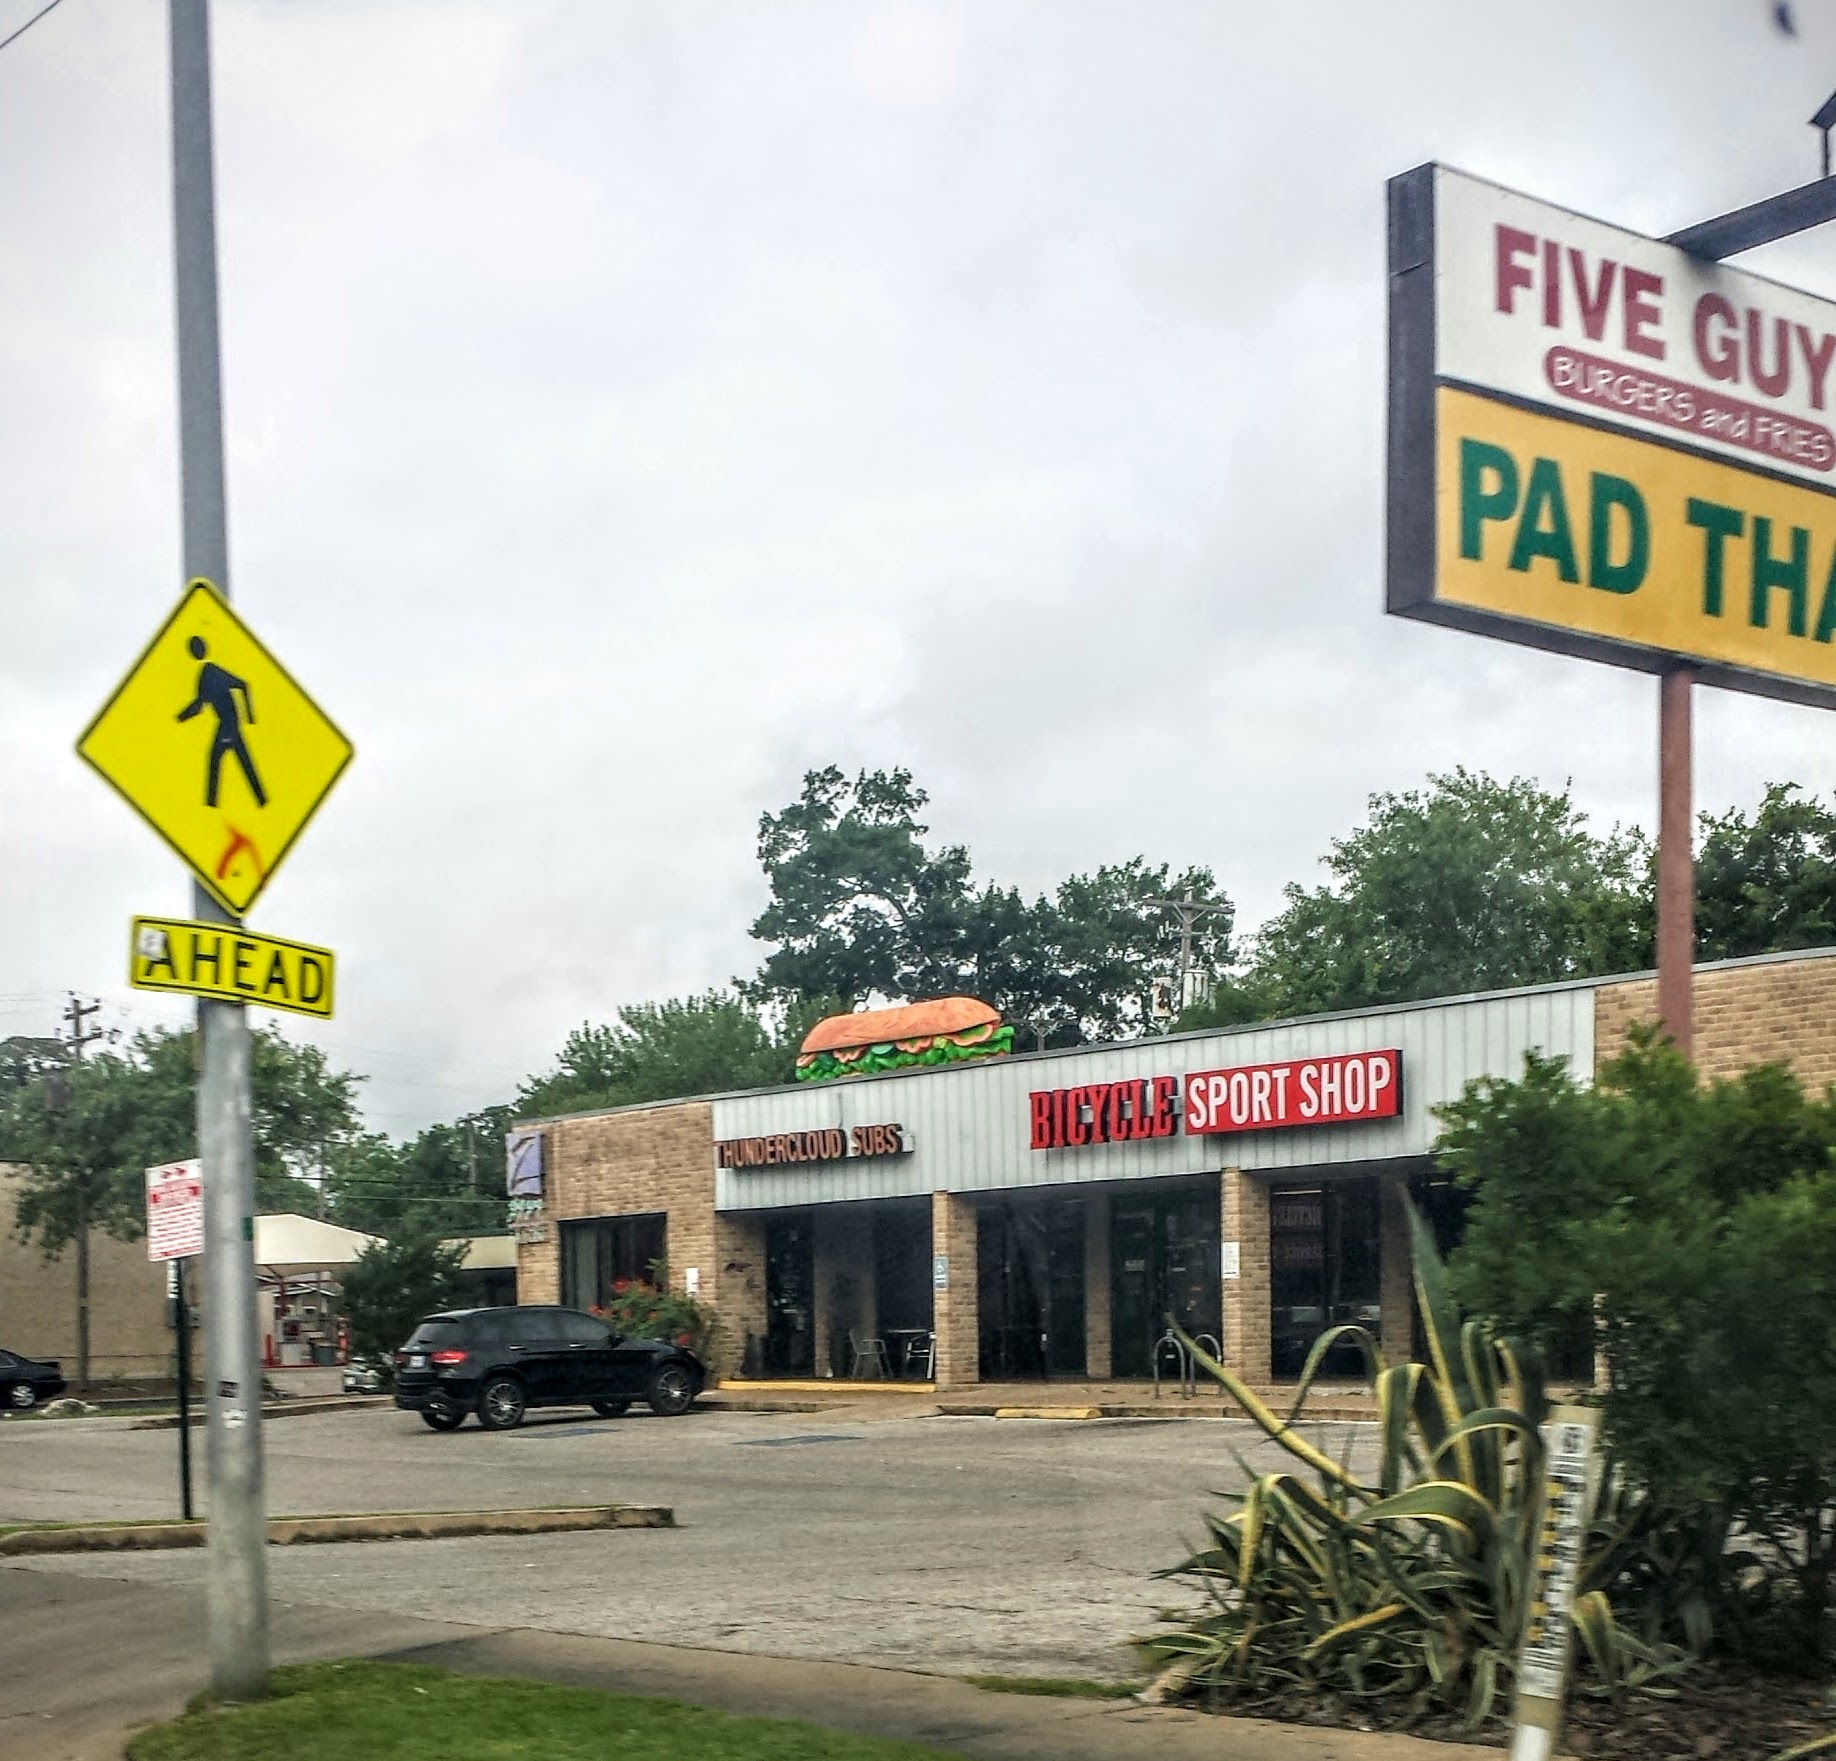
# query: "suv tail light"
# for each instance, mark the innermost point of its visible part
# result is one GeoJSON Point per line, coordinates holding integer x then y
{"type": "Point", "coordinates": [401, 1357]}
{"type": "Point", "coordinates": [446, 1359]}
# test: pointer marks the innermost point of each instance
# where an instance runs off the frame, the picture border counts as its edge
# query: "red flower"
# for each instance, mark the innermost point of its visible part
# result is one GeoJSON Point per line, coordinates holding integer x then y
{"type": "Point", "coordinates": [620, 1286]}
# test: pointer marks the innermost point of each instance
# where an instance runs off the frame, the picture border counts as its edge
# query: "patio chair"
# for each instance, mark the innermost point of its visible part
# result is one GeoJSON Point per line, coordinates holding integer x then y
{"type": "Point", "coordinates": [869, 1351]}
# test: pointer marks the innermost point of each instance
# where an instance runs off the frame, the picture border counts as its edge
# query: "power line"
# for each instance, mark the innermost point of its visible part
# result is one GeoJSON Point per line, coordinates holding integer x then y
{"type": "Point", "coordinates": [14, 38]}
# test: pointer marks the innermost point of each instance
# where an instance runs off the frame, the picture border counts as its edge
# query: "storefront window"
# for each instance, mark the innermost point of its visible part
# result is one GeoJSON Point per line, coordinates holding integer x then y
{"type": "Point", "coordinates": [1324, 1251]}
{"type": "Point", "coordinates": [598, 1252]}
{"type": "Point", "coordinates": [1030, 1289]}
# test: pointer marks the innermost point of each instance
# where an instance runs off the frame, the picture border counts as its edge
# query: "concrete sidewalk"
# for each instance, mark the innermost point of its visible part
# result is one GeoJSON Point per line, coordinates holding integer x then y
{"type": "Point", "coordinates": [84, 1661]}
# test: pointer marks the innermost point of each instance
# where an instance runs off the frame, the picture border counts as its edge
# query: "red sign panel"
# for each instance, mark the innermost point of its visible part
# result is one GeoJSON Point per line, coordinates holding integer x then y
{"type": "Point", "coordinates": [1348, 1088]}
{"type": "Point", "coordinates": [1105, 1112]}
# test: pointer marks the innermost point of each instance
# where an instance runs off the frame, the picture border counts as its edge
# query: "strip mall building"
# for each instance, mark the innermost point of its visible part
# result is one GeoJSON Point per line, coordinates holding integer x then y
{"type": "Point", "coordinates": [1041, 1214]}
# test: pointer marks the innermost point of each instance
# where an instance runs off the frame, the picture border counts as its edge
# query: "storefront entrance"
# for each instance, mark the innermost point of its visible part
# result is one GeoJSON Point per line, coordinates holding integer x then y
{"type": "Point", "coordinates": [1163, 1258]}
{"type": "Point", "coordinates": [790, 1295]}
{"type": "Point", "coordinates": [1324, 1264]}
{"type": "Point", "coordinates": [1030, 1289]}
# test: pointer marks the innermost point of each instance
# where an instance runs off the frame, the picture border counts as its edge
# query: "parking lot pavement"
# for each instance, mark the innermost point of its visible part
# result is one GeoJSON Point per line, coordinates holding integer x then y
{"type": "Point", "coordinates": [957, 1545]}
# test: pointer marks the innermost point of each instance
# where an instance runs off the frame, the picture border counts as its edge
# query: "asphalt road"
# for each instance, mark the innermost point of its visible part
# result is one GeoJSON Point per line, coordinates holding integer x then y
{"type": "Point", "coordinates": [954, 1545]}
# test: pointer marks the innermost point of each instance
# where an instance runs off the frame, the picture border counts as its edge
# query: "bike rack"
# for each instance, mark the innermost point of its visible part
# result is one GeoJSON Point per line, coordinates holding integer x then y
{"type": "Point", "coordinates": [1183, 1360]}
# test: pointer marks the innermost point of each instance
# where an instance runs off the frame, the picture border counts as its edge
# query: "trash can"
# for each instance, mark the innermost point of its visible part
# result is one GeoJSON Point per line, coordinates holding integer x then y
{"type": "Point", "coordinates": [323, 1355]}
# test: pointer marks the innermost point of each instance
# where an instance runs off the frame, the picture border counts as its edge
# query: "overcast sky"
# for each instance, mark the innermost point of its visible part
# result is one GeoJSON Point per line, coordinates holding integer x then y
{"type": "Point", "coordinates": [633, 405]}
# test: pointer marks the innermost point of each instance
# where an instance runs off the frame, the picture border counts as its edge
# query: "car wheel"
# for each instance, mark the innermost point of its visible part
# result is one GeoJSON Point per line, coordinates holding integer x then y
{"type": "Point", "coordinates": [23, 1396]}
{"type": "Point", "coordinates": [441, 1418]}
{"type": "Point", "coordinates": [501, 1404]}
{"type": "Point", "coordinates": [671, 1391]}
{"type": "Point", "coordinates": [611, 1409]}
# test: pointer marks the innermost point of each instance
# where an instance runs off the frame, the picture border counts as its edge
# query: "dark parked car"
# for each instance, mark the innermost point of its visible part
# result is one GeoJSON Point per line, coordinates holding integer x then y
{"type": "Point", "coordinates": [26, 1382]}
{"type": "Point", "coordinates": [500, 1362]}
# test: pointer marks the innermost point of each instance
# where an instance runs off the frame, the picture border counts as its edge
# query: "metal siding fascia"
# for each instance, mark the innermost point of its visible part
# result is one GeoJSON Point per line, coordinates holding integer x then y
{"type": "Point", "coordinates": [970, 1122]}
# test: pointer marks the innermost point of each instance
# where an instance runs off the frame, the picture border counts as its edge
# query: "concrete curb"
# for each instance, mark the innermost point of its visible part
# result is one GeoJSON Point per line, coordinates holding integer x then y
{"type": "Point", "coordinates": [968, 1409]}
{"type": "Point", "coordinates": [284, 1531]}
{"type": "Point", "coordinates": [1048, 1412]}
{"type": "Point", "coordinates": [291, 1409]}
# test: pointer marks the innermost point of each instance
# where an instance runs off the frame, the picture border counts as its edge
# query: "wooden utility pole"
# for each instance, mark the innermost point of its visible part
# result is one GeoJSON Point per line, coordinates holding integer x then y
{"type": "Point", "coordinates": [77, 1037]}
{"type": "Point", "coordinates": [1676, 874]}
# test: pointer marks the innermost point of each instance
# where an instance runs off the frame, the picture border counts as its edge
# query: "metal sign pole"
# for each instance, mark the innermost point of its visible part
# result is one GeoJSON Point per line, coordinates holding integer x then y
{"type": "Point", "coordinates": [237, 1562]}
{"type": "Point", "coordinates": [181, 1321]}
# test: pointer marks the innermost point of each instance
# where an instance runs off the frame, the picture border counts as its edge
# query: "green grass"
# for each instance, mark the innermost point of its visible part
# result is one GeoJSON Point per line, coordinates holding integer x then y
{"type": "Point", "coordinates": [360, 1711]}
{"type": "Point", "coordinates": [1061, 1687]}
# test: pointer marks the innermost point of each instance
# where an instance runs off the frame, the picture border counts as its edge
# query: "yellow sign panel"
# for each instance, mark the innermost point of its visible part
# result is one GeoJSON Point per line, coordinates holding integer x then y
{"type": "Point", "coordinates": [215, 746]}
{"type": "Point", "coordinates": [1587, 530]}
{"type": "Point", "coordinates": [232, 964]}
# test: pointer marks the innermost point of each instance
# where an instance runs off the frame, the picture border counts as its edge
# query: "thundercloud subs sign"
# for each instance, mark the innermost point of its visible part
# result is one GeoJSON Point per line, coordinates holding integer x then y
{"type": "Point", "coordinates": [1601, 445]}
{"type": "Point", "coordinates": [834, 1144]}
{"type": "Point", "coordinates": [1347, 1088]}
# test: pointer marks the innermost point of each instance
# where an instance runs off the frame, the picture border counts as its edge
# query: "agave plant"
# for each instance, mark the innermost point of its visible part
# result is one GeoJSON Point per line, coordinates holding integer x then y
{"type": "Point", "coordinates": [1410, 1588]}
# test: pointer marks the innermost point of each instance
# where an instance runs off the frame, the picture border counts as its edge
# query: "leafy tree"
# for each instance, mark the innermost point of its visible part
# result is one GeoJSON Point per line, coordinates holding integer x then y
{"type": "Point", "coordinates": [1472, 884]}
{"type": "Point", "coordinates": [1767, 883]}
{"type": "Point", "coordinates": [1702, 1219]}
{"type": "Point", "coordinates": [863, 911]}
{"type": "Point", "coordinates": [659, 1051]}
{"type": "Point", "coordinates": [448, 1178]}
{"type": "Point", "coordinates": [302, 1107]}
{"type": "Point", "coordinates": [87, 1132]}
{"type": "Point", "coordinates": [80, 1133]}
{"type": "Point", "coordinates": [391, 1285]}
{"type": "Point", "coordinates": [859, 907]}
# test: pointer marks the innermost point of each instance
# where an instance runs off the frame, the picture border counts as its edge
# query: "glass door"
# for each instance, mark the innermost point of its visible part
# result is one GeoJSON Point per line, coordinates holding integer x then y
{"type": "Point", "coordinates": [1163, 1260]}
{"type": "Point", "coordinates": [790, 1295]}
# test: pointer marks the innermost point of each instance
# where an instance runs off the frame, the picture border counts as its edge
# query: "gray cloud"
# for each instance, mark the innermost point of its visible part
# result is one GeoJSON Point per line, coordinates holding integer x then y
{"type": "Point", "coordinates": [631, 406]}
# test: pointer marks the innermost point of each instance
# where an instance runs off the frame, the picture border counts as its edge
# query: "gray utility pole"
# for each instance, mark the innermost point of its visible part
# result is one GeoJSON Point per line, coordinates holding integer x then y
{"type": "Point", "coordinates": [237, 1566]}
{"type": "Point", "coordinates": [1190, 911]}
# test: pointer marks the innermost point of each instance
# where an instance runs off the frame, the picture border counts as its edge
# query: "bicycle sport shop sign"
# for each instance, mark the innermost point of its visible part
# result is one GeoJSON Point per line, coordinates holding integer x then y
{"type": "Point", "coordinates": [1342, 1088]}
{"type": "Point", "coordinates": [1602, 445]}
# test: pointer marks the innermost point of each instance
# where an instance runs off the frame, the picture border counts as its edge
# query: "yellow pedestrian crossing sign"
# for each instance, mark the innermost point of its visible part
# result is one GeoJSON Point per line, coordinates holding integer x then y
{"type": "Point", "coordinates": [216, 748]}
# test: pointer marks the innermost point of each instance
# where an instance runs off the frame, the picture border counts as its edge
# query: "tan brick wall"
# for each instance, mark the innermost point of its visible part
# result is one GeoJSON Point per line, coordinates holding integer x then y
{"type": "Point", "coordinates": [1774, 1011]}
{"type": "Point", "coordinates": [955, 1313]}
{"type": "Point", "coordinates": [739, 1251]}
{"type": "Point", "coordinates": [1098, 1345]}
{"type": "Point", "coordinates": [1245, 1220]}
{"type": "Point", "coordinates": [128, 1335]}
{"type": "Point", "coordinates": [1396, 1285]}
{"type": "Point", "coordinates": [652, 1159]}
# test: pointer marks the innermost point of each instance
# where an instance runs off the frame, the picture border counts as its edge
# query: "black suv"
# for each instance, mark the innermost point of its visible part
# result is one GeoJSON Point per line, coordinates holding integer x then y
{"type": "Point", "coordinates": [500, 1362]}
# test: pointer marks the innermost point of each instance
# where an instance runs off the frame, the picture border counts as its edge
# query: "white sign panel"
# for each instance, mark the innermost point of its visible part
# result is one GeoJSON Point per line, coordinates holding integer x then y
{"type": "Point", "coordinates": [1555, 309]}
{"type": "Point", "coordinates": [1568, 1446]}
{"type": "Point", "coordinates": [175, 1210]}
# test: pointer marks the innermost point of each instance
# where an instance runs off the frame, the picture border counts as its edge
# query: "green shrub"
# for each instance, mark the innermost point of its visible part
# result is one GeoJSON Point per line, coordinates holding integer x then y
{"type": "Point", "coordinates": [390, 1285]}
{"type": "Point", "coordinates": [1700, 1218]}
{"type": "Point", "coordinates": [1410, 1590]}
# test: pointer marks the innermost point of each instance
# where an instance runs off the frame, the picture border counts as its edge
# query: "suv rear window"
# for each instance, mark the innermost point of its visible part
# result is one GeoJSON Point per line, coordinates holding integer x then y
{"type": "Point", "coordinates": [441, 1331]}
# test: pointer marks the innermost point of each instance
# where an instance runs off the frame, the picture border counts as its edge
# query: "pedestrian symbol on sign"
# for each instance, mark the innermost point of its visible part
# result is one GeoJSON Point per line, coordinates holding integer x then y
{"type": "Point", "coordinates": [218, 690]}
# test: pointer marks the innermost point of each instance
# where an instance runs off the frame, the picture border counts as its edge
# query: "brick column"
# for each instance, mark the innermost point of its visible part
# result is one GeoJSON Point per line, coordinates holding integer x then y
{"type": "Point", "coordinates": [1246, 1297]}
{"type": "Point", "coordinates": [1097, 1360]}
{"type": "Point", "coordinates": [955, 1316]}
{"type": "Point", "coordinates": [739, 1285]}
{"type": "Point", "coordinates": [1396, 1285]}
